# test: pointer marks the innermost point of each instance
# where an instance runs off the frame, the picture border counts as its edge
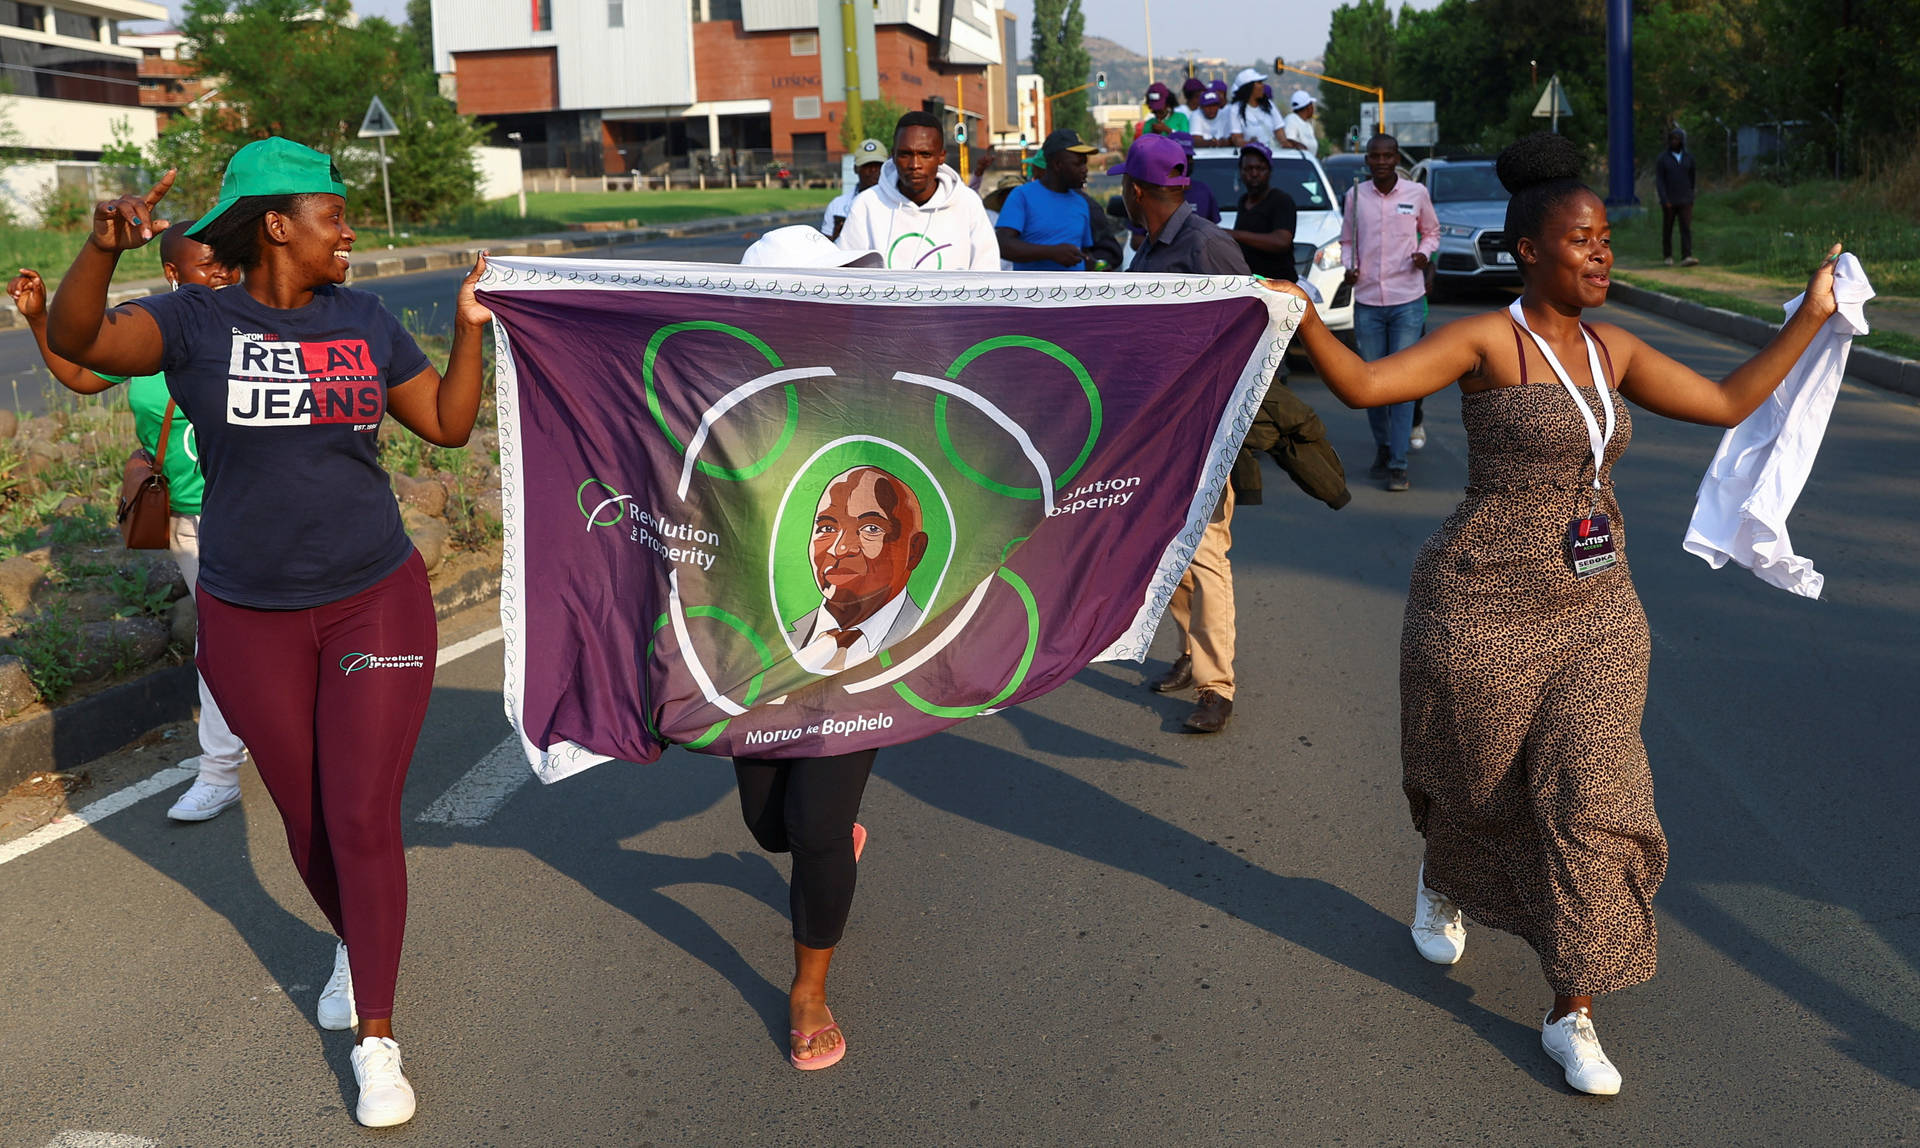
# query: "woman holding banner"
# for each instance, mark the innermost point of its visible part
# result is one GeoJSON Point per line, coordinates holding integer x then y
{"type": "Point", "coordinates": [312, 600]}
{"type": "Point", "coordinates": [1523, 660]}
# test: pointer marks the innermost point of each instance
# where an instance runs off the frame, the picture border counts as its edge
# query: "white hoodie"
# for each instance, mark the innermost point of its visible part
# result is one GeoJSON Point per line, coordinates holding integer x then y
{"type": "Point", "coordinates": [950, 232]}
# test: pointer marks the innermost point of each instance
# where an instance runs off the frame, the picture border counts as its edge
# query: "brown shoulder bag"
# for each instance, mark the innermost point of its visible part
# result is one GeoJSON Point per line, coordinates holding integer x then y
{"type": "Point", "coordinates": [145, 510]}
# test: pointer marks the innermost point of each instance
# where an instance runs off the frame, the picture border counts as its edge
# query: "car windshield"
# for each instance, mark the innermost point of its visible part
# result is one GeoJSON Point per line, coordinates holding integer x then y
{"type": "Point", "coordinates": [1297, 177]}
{"type": "Point", "coordinates": [1465, 183]}
{"type": "Point", "coordinates": [1343, 171]}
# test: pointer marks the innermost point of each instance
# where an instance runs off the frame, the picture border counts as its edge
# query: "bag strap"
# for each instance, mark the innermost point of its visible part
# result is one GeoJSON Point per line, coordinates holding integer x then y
{"type": "Point", "coordinates": [166, 432]}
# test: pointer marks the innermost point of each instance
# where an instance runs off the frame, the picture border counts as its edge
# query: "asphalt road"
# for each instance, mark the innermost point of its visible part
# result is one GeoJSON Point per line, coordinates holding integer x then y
{"type": "Point", "coordinates": [1077, 925]}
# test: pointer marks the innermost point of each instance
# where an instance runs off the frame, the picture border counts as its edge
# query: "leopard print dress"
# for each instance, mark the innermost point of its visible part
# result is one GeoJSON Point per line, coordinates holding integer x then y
{"type": "Point", "coordinates": [1521, 689]}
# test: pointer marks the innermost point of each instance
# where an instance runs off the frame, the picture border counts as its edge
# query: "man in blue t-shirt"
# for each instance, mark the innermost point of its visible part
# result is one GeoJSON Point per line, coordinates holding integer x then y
{"type": "Point", "coordinates": [1044, 224]}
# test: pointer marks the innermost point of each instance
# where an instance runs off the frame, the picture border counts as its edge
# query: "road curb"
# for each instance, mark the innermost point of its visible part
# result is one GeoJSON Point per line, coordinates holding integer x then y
{"type": "Point", "coordinates": [409, 261]}
{"type": "Point", "coordinates": [62, 739]}
{"type": "Point", "coordinates": [1888, 372]}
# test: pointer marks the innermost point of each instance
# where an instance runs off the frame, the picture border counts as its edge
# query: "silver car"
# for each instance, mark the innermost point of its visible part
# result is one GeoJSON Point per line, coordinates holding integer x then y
{"type": "Point", "coordinates": [1472, 207]}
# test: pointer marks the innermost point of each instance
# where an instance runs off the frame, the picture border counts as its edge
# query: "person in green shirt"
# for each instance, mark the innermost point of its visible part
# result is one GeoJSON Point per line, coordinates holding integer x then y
{"type": "Point", "coordinates": [183, 260]}
{"type": "Point", "coordinates": [1165, 117]}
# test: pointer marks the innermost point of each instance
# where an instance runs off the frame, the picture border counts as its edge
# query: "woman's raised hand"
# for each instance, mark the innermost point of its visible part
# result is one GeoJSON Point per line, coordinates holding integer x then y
{"type": "Point", "coordinates": [126, 223]}
{"type": "Point", "coordinates": [467, 306]}
{"type": "Point", "coordinates": [29, 294]}
{"type": "Point", "coordinates": [1820, 298]}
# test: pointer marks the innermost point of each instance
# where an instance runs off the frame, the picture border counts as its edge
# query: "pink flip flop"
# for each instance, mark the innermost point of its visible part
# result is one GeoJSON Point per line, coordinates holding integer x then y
{"type": "Point", "coordinates": [826, 1060]}
{"type": "Point", "coordinates": [859, 839]}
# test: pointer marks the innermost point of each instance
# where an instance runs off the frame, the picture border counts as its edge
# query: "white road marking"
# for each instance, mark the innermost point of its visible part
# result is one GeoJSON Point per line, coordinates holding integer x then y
{"type": "Point", "coordinates": [477, 796]}
{"type": "Point", "coordinates": [76, 1138]}
{"type": "Point", "coordinates": [168, 778]}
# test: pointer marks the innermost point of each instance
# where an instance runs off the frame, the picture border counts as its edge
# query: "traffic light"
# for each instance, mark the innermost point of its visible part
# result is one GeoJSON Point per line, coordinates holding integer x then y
{"type": "Point", "coordinates": [1100, 80]}
{"type": "Point", "coordinates": [960, 133]}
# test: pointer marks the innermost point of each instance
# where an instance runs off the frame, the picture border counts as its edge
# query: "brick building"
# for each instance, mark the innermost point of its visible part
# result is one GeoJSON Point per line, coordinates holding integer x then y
{"type": "Point", "coordinates": [609, 86]}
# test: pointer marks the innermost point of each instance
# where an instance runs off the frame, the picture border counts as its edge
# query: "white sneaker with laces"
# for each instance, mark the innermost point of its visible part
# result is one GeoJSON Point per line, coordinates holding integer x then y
{"type": "Point", "coordinates": [203, 800]}
{"type": "Point", "coordinates": [1572, 1042]}
{"type": "Point", "coordinates": [336, 1009]}
{"type": "Point", "coordinates": [386, 1098]}
{"type": "Point", "coordinates": [1438, 931]}
{"type": "Point", "coordinates": [1418, 439]}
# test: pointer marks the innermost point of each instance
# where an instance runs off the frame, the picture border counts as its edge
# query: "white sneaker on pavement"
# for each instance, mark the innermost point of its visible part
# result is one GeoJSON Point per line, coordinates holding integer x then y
{"type": "Point", "coordinates": [1438, 931]}
{"type": "Point", "coordinates": [1572, 1043]}
{"type": "Point", "coordinates": [203, 800]}
{"type": "Point", "coordinates": [386, 1098]}
{"type": "Point", "coordinates": [336, 1009]}
{"type": "Point", "coordinates": [1418, 439]}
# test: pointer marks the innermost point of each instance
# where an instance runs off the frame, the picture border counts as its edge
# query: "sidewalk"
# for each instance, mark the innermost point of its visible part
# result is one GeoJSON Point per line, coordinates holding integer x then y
{"type": "Point", "coordinates": [440, 256]}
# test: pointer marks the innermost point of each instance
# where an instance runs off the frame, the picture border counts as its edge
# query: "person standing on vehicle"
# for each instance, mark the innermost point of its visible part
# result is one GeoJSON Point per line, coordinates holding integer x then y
{"type": "Point", "coordinates": [1297, 129]}
{"type": "Point", "coordinates": [1208, 124]}
{"type": "Point", "coordinates": [1163, 119]}
{"type": "Point", "coordinates": [1267, 216]}
{"type": "Point", "coordinates": [1190, 97]}
{"type": "Point", "coordinates": [920, 217]}
{"type": "Point", "coordinates": [1389, 233]}
{"type": "Point", "coordinates": [868, 159]}
{"type": "Point", "coordinates": [183, 261]}
{"type": "Point", "coordinates": [1198, 193]}
{"type": "Point", "coordinates": [1153, 187]}
{"type": "Point", "coordinates": [1045, 224]}
{"type": "Point", "coordinates": [1251, 115]}
{"type": "Point", "coordinates": [317, 630]}
{"type": "Point", "coordinates": [1673, 179]}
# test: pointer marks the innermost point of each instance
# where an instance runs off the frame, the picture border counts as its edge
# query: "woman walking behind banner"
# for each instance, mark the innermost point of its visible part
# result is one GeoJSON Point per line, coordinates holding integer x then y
{"type": "Point", "coordinates": [182, 261]}
{"type": "Point", "coordinates": [1523, 661]}
{"type": "Point", "coordinates": [317, 632]}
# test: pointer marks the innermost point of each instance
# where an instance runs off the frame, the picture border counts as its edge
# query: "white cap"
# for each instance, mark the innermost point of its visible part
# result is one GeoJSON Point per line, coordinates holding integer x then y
{"type": "Point", "coordinates": [869, 151]}
{"type": "Point", "coordinates": [1247, 76]}
{"type": "Point", "coordinates": [803, 246]}
{"type": "Point", "coordinates": [1301, 98]}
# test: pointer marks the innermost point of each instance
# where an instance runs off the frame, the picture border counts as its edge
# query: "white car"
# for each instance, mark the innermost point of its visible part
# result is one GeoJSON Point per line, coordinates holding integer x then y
{"type": "Point", "coordinates": [1316, 234]}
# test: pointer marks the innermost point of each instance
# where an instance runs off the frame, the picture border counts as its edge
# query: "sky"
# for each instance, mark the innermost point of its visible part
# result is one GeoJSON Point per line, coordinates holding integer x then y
{"type": "Point", "coordinates": [1295, 29]}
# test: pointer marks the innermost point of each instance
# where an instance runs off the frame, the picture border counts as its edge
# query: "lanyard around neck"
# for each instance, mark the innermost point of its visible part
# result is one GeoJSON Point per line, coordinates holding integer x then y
{"type": "Point", "coordinates": [1595, 438]}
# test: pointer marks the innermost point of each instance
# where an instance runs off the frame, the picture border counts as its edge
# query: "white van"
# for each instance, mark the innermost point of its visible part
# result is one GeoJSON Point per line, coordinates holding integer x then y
{"type": "Point", "coordinates": [1316, 235]}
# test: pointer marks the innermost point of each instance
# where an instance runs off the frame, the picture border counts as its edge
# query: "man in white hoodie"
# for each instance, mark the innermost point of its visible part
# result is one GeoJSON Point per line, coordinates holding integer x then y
{"type": "Point", "coordinates": [920, 217]}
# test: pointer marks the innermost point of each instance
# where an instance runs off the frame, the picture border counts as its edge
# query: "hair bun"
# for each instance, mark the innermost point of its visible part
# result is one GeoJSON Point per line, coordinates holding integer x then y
{"type": "Point", "coordinates": [1543, 157]}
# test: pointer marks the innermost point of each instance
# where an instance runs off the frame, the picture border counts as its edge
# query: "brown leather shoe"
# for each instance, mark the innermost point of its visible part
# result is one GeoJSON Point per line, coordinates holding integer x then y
{"type": "Point", "coordinates": [1178, 677]}
{"type": "Point", "coordinates": [1211, 715]}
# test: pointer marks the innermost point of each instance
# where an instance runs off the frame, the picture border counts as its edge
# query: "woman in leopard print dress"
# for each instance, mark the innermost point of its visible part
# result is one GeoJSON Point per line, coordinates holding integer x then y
{"type": "Point", "coordinates": [1522, 681]}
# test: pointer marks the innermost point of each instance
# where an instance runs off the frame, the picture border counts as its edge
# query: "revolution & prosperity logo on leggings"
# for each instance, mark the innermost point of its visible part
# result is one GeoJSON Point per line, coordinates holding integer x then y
{"type": "Point", "coordinates": [352, 663]}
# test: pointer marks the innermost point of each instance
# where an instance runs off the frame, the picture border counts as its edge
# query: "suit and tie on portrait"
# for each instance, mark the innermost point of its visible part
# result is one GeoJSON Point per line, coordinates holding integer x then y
{"type": "Point", "coordinates": [867, 540]}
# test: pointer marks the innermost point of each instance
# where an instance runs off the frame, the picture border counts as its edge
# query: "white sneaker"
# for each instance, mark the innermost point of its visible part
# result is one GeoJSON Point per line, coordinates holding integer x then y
{"type": "Point", "coordinates": [1418, 439]}
{"type": "Point", "coordinates": [203, 800]}
{"type": "Point", "coordinates": [1438, 931]}
{"type": "Point", "coordinates": [386, 1098]}
{"type": "Point", "coordinates": [1572, 1042]}
{"type": "Point", "coordinates": [336, 1009]}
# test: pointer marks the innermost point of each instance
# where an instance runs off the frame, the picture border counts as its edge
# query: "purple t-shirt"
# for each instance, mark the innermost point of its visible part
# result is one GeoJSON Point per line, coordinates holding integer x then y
{"type": "Point", "coordinates": [286, 407]}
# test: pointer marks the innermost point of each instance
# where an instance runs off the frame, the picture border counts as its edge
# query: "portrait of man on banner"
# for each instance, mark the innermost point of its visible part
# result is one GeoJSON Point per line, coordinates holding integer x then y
{"type": "Point", "coordinates": [867, 540]}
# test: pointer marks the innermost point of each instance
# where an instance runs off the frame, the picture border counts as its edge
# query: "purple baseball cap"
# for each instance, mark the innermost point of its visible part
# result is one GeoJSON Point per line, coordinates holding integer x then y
{"type": "Point", "coordinates": [1212, 98]}
{"type": "Point", "coordinates": [1155, 159]}
{"type": "Point", "coordinates": [1159, 95]}
{"type": "Point", "coordinates": [1219, 85]}
{"type": "Point", "coordinates": [1266, 152]}
{"type": "Point", "coordinates": [1193, 84]}
{"type": "Point", "coordinates": [1185, 140]}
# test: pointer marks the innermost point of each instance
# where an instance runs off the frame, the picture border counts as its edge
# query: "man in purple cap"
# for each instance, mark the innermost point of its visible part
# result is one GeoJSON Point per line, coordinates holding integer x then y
{"type": "Point", "coordinates": [1153, 185]}
{"type": "Point", "coordinates": [1266, 216]}
{"type": "Point", "coordinates": [1164, 120]}
{"type": "Point", "coordinates": [1208, 125]}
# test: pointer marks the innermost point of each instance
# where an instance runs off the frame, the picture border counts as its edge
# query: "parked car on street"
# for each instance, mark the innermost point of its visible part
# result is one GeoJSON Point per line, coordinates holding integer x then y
{"type": "Point", "coordinates": [1472, 207]}
{"type": "Point", "coordinates": [1316, 233]}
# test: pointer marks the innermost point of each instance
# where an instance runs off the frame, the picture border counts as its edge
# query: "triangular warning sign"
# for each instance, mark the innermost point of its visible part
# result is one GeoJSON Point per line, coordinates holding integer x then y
{"type": "Point", "coordinates": [1553, 101]}
{"type": "Point", "coordinates": [378, 122]}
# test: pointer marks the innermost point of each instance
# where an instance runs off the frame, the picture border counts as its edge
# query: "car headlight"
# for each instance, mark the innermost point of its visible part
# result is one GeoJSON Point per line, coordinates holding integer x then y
{"type": "Point", "coordinates": [1328, 257]}
{"type": "Point", "coordinates": [1456, 231]}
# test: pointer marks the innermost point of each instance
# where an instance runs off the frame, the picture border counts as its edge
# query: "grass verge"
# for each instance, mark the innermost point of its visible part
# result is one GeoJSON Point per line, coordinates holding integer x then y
{"type": "Point", "coordinates": [1892, 342]}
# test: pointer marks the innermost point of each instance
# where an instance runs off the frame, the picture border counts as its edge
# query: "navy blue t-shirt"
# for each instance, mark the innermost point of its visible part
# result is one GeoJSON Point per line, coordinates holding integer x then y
{"type": "Point", "coordinates": [286, 407]}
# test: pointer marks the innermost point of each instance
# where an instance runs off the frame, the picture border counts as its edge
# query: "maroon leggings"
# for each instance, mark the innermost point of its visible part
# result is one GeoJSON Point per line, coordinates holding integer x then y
{"type": "Point", "coordinates": [329, 701]}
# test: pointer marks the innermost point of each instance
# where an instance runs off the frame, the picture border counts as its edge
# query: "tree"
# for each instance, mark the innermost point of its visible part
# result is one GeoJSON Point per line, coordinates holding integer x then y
{"type": "Point", "coordinates": [1060, 59]}
{"type": "Point", "coordinates": [877, 118]}
{"type": "Point", "coordinates": [420, 26]}
{"type": "Point", "coordinates": [1360, 44]}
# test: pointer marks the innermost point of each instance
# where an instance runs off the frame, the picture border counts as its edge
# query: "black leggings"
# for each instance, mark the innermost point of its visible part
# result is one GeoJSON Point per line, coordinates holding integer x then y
{"type": "Point", "coordinates": [806, 806]}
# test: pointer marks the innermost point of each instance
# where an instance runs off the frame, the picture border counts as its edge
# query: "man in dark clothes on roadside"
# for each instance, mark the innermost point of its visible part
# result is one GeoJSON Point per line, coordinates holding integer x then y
{"type": "Point", "coordinates": [1264, 227]}
{"type": "Point", "coordinates": [1673, 179]}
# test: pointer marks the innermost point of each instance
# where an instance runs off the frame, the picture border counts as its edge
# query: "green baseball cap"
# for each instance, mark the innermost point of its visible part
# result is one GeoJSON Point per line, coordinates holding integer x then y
{"type": "Point", "coordinates": [273, 166]}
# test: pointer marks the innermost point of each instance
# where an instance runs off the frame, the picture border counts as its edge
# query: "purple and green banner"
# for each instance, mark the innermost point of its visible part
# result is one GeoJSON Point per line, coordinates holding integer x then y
{"type": "Point", "coordinates": [789, 514]}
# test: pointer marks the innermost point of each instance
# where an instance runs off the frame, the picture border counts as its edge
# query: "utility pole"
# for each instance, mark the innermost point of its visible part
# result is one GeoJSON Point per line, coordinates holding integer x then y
{"type": "Point", "coordinates": [850, 32]}
{"type": "Point", "coordinates": [1146, 8]}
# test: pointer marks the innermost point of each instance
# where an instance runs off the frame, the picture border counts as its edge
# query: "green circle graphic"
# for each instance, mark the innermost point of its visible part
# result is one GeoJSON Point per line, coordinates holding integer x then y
{"type": "Point", "coordinates": [1051, 350]}
{"type": "Point", "coordinates": [796, 594]}
{"type": "Point", "coordinates": [792, 423]}
{"type": "Point", "coordinates": [753, 684]}
{"type": "Point", "coordinates": [578, 501]}
{"type": "Point", "coordinates": [1019, 671]}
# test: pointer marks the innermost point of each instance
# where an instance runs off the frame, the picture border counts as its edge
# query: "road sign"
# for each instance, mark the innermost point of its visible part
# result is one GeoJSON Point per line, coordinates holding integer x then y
{"type": "Point", "coordinates": [1553, 102]}
{"type": "Point", "coordinates": [378, 122]}
{"type": "Point", "coordinates": [1399, 114]}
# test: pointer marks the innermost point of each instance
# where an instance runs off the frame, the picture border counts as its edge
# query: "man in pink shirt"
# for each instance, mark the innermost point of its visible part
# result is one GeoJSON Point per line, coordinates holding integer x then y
{"type": "Point", "coordinates": [1388, 236]}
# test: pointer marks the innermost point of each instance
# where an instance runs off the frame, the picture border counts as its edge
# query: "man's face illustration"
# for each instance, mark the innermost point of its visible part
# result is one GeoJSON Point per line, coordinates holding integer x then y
{"type": "Point", "coordinates": [866, 541]}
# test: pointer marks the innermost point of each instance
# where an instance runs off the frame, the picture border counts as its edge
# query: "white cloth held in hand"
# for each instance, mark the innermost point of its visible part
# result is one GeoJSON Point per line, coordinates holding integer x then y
{"type": "Point", "coordinates": [1762, 464]}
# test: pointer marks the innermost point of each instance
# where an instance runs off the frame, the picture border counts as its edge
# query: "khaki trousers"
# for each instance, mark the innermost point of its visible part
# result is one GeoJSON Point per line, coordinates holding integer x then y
{"type": "Point", "coordinates": [1202, 606]}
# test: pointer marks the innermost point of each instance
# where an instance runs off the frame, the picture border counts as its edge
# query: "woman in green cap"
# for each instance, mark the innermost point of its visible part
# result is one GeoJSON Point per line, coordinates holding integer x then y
{"type": "Point", "coordinates": [317, 632]}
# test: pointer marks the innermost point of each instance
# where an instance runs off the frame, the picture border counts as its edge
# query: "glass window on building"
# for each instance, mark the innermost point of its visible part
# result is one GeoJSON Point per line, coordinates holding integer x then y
{"type": "Point", "coordinates": [67, 23]}
{"type": "Point", "coordinates": [543, 15]}
{"type": "Point", "coordinates": [14, 15]}
{"type": "Point", "coordinates": [616, 13]}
